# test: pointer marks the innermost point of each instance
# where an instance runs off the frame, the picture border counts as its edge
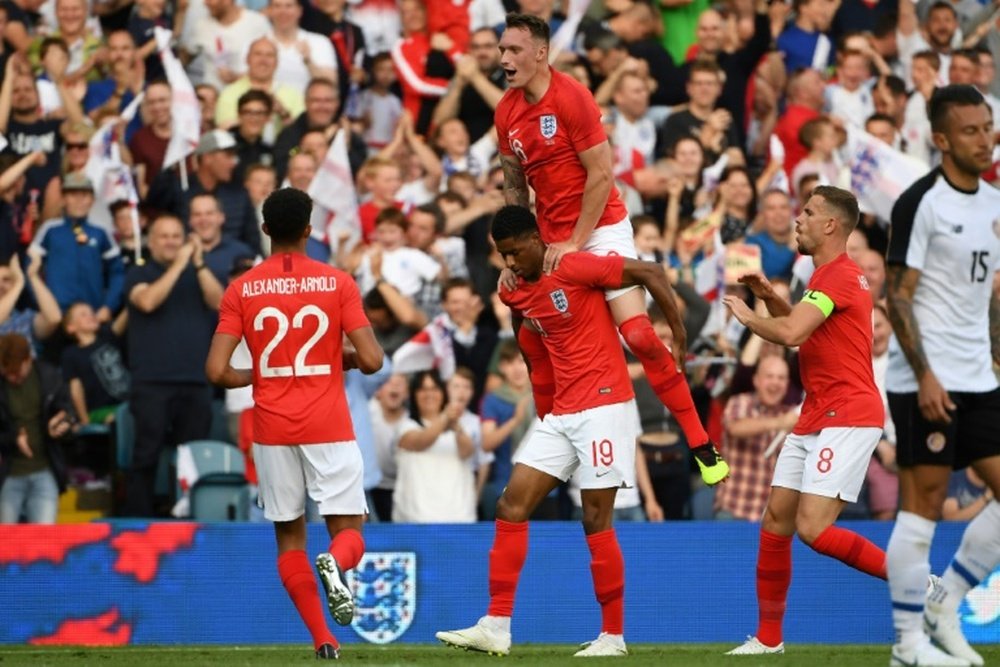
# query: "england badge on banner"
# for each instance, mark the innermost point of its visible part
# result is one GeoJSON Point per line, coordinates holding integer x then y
{"type": "Point", "coordinates": [384, 585]}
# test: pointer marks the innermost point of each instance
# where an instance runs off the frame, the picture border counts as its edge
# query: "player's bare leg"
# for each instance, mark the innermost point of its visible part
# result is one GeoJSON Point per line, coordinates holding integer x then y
{"type": "Point", "coordinates": [346, 549]}
{"type": "Point", "coordinates": [977, 556]}
{"type": "Point", "coordinates": [525, 490]}
{"type": "Point", "coordinates": [300, 583]}
{"type": "Point", "coordinates": [607, 567]}
{"type": "Point", "coordinates": [666, 379]}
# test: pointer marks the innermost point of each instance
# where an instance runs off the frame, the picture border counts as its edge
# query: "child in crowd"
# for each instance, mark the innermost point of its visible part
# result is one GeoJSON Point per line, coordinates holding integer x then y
{"type": "Point", "coordinates": [94, 366]}
{"type": "Point", "coordinates": [379, 108]}
{"type": "Point", "coordinates": [819, 136]}
{"type": "Point", "coordinates": [382, 178]}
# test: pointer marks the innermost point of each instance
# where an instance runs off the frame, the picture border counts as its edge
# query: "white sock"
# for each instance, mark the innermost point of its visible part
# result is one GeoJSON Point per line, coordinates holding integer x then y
{"type": "Point", "coordinates": [977, 556]}
{"type": "Point", "coordinates": [908, 565]}
{"type": "Point", "coordinates": [498, 623]}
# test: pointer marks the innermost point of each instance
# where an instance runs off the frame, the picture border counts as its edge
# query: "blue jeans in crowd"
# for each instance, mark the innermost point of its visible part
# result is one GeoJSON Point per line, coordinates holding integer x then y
{"type": "Point", "coordinates": [34, 496]}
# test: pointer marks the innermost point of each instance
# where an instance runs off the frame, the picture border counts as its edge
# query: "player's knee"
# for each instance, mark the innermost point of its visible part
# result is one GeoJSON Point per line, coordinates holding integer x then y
{"type": "Point", "coordinates": [641, 338]}
{"type": "Point", "coordinates": [808, 529]}
{"type": "Point", "coordinates": [510, 510]}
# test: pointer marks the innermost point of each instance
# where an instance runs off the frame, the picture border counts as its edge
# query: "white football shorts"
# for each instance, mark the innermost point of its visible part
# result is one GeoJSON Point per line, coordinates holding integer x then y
{"type": "Point", "coordinates": [597, 444]}
{"type": "Point", "coordinates": [616, 239]}
{"type": "Point", "coordinates": [331, 473]}
{"type": "Point", "coordinates": [831, 463]}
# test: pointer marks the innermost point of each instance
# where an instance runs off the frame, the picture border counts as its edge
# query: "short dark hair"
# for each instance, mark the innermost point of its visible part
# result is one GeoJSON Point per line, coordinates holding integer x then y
{"type": "Point", "coordinates": [209, 196]}
{"type": "Point", "coordinates": [417, 380]}
{"type": "Point", "coordinates": [942, 4]}
{"type": "Point", "coordinates": [843, 202]}
{"type": "Point", "coordinates": [508, 350]}
{"type": "Point", "coordinates": [255, 96]}
{"type": "Point", "coordinates": [52, 42]}
{"type": "Point", "coordinates": [512, 221]}
{"type": "Point", "coordinates": [434, 210]}
{"type": "Point", "coordinates": [885, 118]}
{"type": "Point", "coordinates": [456, 283]}
{"type": "Point", "coordinates": [946, 97]}
{"type": "Point", "coordinates": [538, 28]}
{"type": "Point", "coordinates": [895, 85]}
{"type": "Point", "coordinates": [810, 130]}
{"type": "Point", "coordinates": [706, 67]}
{"type": "Point", "coordinates": [929, 57]}
{"type": "Point", "coordinates": [286, 214]}
{"type": "Point", "coordinates": [391, 216]}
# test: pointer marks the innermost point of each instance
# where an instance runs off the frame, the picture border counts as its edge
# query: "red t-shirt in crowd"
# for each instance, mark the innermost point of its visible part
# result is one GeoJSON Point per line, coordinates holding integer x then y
{"type": "Point", "coordinates": [367, 213]}
{"type": "Point", "coordinates": [835, 362]}
{"type": "Point", "coordinates": [547, 138]}
{"type": "Point", "coordinates": [294, 312]}
{"type": "Point", "coordinates": [787, 129]}
{"type": "Point", "coordinates": [568, 309]}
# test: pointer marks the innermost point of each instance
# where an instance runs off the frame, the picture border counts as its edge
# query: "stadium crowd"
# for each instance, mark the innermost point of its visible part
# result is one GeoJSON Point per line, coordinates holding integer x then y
{"type": "Point", "coordinates": [722, 118]}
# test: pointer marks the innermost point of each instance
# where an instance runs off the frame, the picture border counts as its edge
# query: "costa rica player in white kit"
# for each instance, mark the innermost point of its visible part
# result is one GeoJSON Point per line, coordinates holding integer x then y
{"type": "Point", "coordinates": [550, 137]}
{"type": "Point", "coordinates": [294, 313]}
{"type": "Point", "coordinates": [592, 428]}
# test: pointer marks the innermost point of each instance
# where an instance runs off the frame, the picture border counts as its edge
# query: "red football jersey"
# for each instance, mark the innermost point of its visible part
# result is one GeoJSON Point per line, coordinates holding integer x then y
{"type": "Point", "coordinates": [835, 363]}
{"type": "Point", "coordinates": [569, 311]}
{"type": "Point", "coordinates": [294, 312]}
{"type": "Point", "coordinates": [547, 138]}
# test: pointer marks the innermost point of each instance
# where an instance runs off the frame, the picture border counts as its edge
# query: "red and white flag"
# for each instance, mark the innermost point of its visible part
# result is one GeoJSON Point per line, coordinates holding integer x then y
{"type": "Point", "coordinates": [185, 113]}
{"type": "Point", "coordinates": [879, 173]}
{"type": "Point", "coordinates": [430, 348]}
{"type": "Point", "coordinates": [332, 188]}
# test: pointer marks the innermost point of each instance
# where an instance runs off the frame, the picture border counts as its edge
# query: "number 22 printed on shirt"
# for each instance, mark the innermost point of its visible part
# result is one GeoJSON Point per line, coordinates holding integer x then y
{"type": "Point", "coordinates": [301, 368]}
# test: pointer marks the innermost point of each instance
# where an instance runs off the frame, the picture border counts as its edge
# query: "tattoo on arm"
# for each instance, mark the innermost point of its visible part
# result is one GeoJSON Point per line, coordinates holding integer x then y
{"type": "Point", "coordinates": [902, 283]}
{"type": "Point", "coordinates": [995, 325]}
{"type": "Point", "coordinates": [515, 185]}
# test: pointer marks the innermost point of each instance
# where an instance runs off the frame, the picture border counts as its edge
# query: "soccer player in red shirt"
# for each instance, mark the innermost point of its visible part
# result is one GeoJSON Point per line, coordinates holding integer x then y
{"type": "Point", "coordinates": [590, 431]}
{"type": "Point", "coordinates": [550, 137]}
{"type": "Point", "coordinates": [293, 313]}
{"type": "Point", "coordinates": [824, 460]}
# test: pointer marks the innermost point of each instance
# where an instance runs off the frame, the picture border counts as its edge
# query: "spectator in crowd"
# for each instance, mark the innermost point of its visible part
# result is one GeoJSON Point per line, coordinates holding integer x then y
{"type": "Point", "coordinates": [916, 126]}
{"type": "Point", "coordinates": [890, 97]}
{"type": "Point", "coordinates": [421, 59]}
{"type": "Point", "coordinates": [683, 24]}
{"type": "Point", "coordinates": [872, 264]}
{"type": "Point", "coordinates": [882, 479]}
{"type": "Point", "coordinates": [460, 388]}
{"type": "Point", "coordinates": [126, 79]}
{"type": "Point", "coordinates": [36, 415]}
{"type": "Point", "coordinates": [262, 63]}
{"type": "Point", "coordinates": [19, 206]}
{"type": "Point", "coordinates": [82, 262]}
{"type": "Point", "coordinates": [634, 129]}
{"type": "Point", "coordinates": [217, 45]}
{"type": "Point", "coordinates": [76, 146]}
{"type": "Point", "coordinates": [736, 203]}
{"type": "Point", "coordinates": [23, 124]}
{"type": "Point", "coordinates": [473, 342]}
{"type": "Point", "coordinates": [964, 67]}
{"type": "Point", "coordinates": [302, 55]}
{"type": "Point", "coordinates": [254, 108]}
{"type": "Point", "coordinates": [425, 231]}
{"type": "Point", "coordinates": [434, 483]}
{"type": "Point", "coordinates": [379, 108]}
{"type": "Point", "coordinates": [208, 101]}
{"type": "Point", "coordinates": [752, 421]}
{"type": "Point", "coordinates": [222, 255]}
{"type": "Point", "coordinates": [94, 365]}
{"type": "Point", "coordinates": [34, 325]}
{"type": "Point", "coordinates": [141, 26]}
{"type": "Point", "coordinates": [819, 136]}
{"type": "Point", "coordinates": [967, 496]}
{"type": "Point", "coordinates": [775, 237]}
{"type": "Point", "coordinates": [216, 155]}
{"type": "Point", "coordinates": [477, 87]}
{"type": "Point", "coordinates": [405, 268]}
{"type": "Point", "coordinates": [804, 42]}
{"type": "Point", "coordinates": [700, 118]}
{"type": "Point", "coordinates": [349, 41]}
{"type": "Point", "coordinates": [986, 74]}
{"type": "Point", "coordinates": [360, 390]}
{"type": "Point", "coordinates": [148, 145]}
{"type": "Point", "coordinates": [22, 17]}
{"type": "Point", "coordinates": [937, 34]}
{"type": "Point", "coordinates": [850, 98]}
{"type": "Point", "coordinates": [506, 414]}
{"type": "Point", "coordinates": [388, 413]}
{"type": "Point", "coordinates": [804, 101]}
{"type": "Point", "coordinates": [174, 297]}
{"type": "Point", "coordinates": [86, 53]}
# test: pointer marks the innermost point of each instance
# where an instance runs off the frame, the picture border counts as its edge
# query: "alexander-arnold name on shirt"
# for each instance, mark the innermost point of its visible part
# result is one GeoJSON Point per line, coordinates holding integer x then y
{"type": "Point", "coordinates": [289, 285]}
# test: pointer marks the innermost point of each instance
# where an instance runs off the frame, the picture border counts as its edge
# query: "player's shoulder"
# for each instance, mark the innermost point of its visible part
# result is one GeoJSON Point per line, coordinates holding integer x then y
{"type": "Point", "coordinates": [506, 105]}
{"type": "Point", "coordinates": [909, 202]}
{"type": "Point", "coordinates": [570, 93]}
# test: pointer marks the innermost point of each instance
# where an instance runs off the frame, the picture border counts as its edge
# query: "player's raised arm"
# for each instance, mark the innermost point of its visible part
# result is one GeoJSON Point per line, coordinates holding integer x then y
{"type": "Point", "coordinates": [368, 354]}
{"type": "Point", "coordinates": [653, 277]}
{"type": "Point", "coordinates": [217, 366]}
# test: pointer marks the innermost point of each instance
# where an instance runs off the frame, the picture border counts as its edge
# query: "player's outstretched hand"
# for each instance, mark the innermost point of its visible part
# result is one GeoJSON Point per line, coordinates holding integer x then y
{"type": "Point", "coordinates": [934, 401]}
{"type": "Point", "coordinates": [554, 253]}
{"type": "Point", "coordinates": [759, 285]}
{"type": "Point", "coordinates": [741, 311]}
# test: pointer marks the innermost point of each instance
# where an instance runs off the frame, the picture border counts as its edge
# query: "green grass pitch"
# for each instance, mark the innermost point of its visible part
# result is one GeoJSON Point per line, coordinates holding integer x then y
{"type": "Point", "coordinates": [680, 655]}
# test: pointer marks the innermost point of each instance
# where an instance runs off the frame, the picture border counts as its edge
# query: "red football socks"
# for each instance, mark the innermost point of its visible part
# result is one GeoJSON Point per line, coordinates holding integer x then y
{"type": "Point", "coordinates": [852, 549]}
{"type": "Point", "coordinates": [300, 582]}
{"type": "Point", "coordinates": [347, 548]}
{"type": "Point", "coordinates": [543, 383]}
{"type": "Point", "coordinates": [774, 575]}
{"type": "Point", "coordinates": [667, 382]}
{"type": "Point", "coordinates": [510, 548]}
{"type": "Point", "coordinates": [608, 570]}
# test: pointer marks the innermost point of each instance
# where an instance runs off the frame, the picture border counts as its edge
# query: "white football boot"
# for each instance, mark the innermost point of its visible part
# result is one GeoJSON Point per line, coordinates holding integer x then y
{"type": "Point", "coordinates": [338, 595]}
{"type": "Point", "coordinates": [752, 646]}
{"type": "Point", "coordinates": [924, 655]}
{"type": "Point", "coordinates": [944, 627]}
{"type": "Point", "coordinates": [486, 636]}
{"type": "Point", "coordinates": [606, 646]}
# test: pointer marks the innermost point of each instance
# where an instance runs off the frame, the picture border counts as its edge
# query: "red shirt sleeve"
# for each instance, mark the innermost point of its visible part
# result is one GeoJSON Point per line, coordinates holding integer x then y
{"type": "Point", "coordinates": [836, 282]}
{"type": "Point", "coordinates": [352, 313]}
{"type": "Point", "coordinates": [582, 118]}
{"type": "Point", "coordinates": [584, 268]}
{"type": "Point", "coordinates": [231, 312]}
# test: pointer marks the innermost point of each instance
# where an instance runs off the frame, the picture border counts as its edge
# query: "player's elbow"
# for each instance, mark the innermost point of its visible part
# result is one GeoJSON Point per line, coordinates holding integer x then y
{"type": "Point", "coordinates": [214, 371]}
{"type": "Point", "coordinates": [794, 337]}
{"type": "Point", "coordinates": [370, 361]}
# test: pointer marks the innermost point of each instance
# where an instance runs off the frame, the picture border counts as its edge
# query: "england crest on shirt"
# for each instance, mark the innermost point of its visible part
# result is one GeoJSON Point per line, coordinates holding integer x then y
{"type": "Point", "coordinates": [559, 300]}
{"type": "Point", "coordinates": [384, 585]}
{"type": "Point", "coordinates": [547, 124]}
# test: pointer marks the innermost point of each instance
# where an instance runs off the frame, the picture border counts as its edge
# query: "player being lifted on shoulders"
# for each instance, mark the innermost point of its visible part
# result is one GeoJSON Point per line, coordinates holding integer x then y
{"type": "Point", "coordinates": [823, 462]}
{"type": "Point", "coordinates": [551, 138]}
{"type": "Point", "coordinates": [294, 313]}
{"type": "Point", "coordinates": [591, 430]}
